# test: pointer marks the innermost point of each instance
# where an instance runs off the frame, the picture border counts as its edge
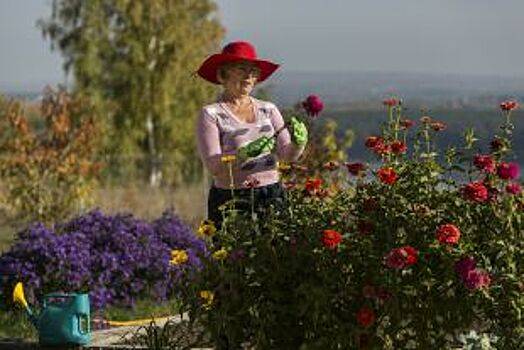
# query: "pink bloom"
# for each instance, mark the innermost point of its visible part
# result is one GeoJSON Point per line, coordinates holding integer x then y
{"type": "Point", "coordinates": [313, 105]}
{"type": "Point", "coordinates": [509, 105]}
{"type": "Point", "coordinates": [513, 188]}
{"type": "Point", "coordinates": [508, 171]}
{"type": "Point", "coordinates": [475, 191]}
{"type": "Point", "coordinates": [448, 234]}
{"type": "Point", "coordinates": [390, 102]}
{"type": "Point", "coordinates": [476, 279]}
{"type": "Point", "coordinates": [485, 163]}
{"type": "Point", "coordinates": [400, 258]}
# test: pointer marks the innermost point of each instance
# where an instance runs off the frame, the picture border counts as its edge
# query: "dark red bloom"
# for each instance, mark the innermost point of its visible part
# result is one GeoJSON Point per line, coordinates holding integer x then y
{"type": "Point", "coordinates": [508, 171]}
{"type": "Point", "coordinates": [313, 105]}
{"type": "Point", "coordinates": [370, 204]}
{"type": "Point", "coordinates": [398, 147]}
{"type": "Point", "coordinates": [365, 227]}
{"type": "Point", "coordinates": [355, 168]}
{"type": "Point", "coordinates": [475, 191]}
{"type": "Point", "coordinates": [365, 316]}
{"type": "Point", "coordinates": [387, 175]}
{"type": "Point", "coordinates": [400, 258]}
{"type": "Point", "coordinates": [372, 141]}
{"type": "Point", "coordinates": [464, 265]}
{"type": "Point", "coordinates": [485, 163]}
{"type": "Point", "coordinates": [331, 239]}
{"type": "Point", "coordinates": [509, 105]}
{"type": "Point", "coordinates": [476, 279]}
{"type": "Point", "coordinates": [448, 234]}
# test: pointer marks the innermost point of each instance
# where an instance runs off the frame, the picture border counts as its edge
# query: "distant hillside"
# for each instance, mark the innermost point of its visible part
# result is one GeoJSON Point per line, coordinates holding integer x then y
{"type": "Point", "coordinates": [362, 90]}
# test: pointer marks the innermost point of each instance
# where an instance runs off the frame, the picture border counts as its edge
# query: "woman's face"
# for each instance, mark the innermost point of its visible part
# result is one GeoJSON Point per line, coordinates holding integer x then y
{"type": "Point", "coordinates": [239, 79]}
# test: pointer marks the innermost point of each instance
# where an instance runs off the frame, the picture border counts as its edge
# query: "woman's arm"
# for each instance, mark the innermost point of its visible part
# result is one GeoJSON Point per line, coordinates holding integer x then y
{"type": "Point", "coordinates": [208, 142]}
{"type": "Point", "coordinates": [286, 149]}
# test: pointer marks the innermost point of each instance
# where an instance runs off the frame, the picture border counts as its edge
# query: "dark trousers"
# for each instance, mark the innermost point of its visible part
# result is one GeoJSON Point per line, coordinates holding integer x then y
{"type": "Point", "coordinates": [264, 196]}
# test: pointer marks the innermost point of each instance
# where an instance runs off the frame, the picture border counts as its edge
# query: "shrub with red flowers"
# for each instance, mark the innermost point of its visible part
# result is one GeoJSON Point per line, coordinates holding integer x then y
{"type": "Point", "coordinates": [413, 252]}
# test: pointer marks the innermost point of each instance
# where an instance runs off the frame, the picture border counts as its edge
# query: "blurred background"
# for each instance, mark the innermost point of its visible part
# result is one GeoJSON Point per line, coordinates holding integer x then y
{"type": "Point", "coordinates": [122, 140]}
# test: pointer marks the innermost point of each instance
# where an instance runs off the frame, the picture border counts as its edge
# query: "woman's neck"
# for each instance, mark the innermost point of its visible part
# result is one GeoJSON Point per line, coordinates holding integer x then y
{"type": "Point", "coordinates": [235, 100]}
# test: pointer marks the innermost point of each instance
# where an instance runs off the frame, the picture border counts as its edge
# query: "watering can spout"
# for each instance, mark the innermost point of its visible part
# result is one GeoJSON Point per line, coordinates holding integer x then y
{"type": "Point", "coordinates": [19, 297]}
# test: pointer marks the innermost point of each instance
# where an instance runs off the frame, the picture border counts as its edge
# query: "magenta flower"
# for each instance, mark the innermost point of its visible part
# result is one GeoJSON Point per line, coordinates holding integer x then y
{"type": "Point", "coordinates": [477, 279]}
{"type": "Point", "coordinates": [485, 163]}
{"type": "Point", "coordinates": [465, 265]}
{"type": "Point", "coordinates": [508, 171]}
{"type": "Point", "coordinates": [313, 105]}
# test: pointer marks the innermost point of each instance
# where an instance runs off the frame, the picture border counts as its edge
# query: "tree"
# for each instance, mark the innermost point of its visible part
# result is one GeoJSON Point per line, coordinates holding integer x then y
{"type": "Point", "coordinates": [136, 59]}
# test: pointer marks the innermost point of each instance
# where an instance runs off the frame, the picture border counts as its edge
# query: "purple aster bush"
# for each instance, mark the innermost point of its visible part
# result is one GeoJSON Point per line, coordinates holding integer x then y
{"type": "Point", "coordinates": [117, 259]}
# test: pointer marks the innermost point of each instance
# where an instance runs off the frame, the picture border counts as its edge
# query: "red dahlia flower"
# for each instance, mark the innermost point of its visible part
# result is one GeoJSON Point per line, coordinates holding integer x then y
{"type": "Point", "coordinates": [313, 185]}
{"type": "Point", "coordinates": [398, 147]}
{"type": "Point", "coordinates": [331, 239]}
{"type": "Point", "coordinates": [365, 316]}
{"type": "Point", "coordinates": [485, 163]}
{"type": "Point", "coordinates": [476, 192]}
{"type": "Point", "coordinates": [508, 171]}
{"type": "Point", "coordinates": [313, 105]}
{"type": "Point", "coordinates": [400, 258]}
{"type": "Point", "coordinates": [387, 175]}
{"type": "Point", "coordinates": [448, 234]}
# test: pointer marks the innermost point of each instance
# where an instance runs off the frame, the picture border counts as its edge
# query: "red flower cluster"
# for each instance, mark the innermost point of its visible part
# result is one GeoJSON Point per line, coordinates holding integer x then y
{"type": "Point", "coordinates": [387, 175]}
{"type": "Point", "coordinates": [391, 102]}
{"type": "Point", "coordinates": [508, 171]}
{"type": "Point", "coordinates": [313, 185]}
{"type": "Point", "coordinates": [400, 258]}
{"type": "Point", "coordinates": [355, 169]}
{"type": "Point", "coordinates": [476, 192]}
{"type": "Point", "coordinates": [485, 163]}
{"type": "Point", "coordinates": [473, 277]}
{"type": "Point", "coordinates": [509, 105]}
{"type": "Point", "coordinates": [448, 234]}
{"type": "Point", "coordinates": [331, 239]}
{"type": "Point", "coordinates": [313, 105]}
{"type": "Point", "coordinates": [398, 147]}
{"type": "Point", "coordinates": [365, 316]}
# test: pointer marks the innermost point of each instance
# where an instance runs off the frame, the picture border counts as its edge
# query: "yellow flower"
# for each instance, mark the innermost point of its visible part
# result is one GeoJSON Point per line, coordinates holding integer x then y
{"type": "Point", "coordinates": [207, 296]}
{"type": "Point", "coordinates": [207, 229]}
{"type": "Point", "coordinates": [228, 158]}
{"type": "Point", "coordinates": [283, 166]}
{"type": "Point", "coordinates": [220, 254]}
{"type": "Point", "coordinates": [178, 257]}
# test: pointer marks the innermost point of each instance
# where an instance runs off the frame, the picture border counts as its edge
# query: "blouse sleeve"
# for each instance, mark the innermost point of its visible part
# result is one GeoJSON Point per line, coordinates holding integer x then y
{"type": "Point", "coordinates": [286, 149]}
{"type": "Point", "coordinates": [208, 143]}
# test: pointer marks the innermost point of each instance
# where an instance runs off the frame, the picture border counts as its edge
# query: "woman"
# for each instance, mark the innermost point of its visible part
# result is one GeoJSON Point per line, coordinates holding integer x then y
{"type": "Point", "coordinates": [236, 124]}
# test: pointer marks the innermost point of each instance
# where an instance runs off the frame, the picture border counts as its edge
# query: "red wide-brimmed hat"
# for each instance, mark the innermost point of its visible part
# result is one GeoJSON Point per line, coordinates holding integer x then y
{"type": "Point", "coordinates": [234, 52]}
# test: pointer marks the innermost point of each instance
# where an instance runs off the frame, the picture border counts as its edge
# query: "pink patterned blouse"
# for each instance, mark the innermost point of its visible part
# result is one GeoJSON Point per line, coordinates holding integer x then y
{"type": "Point", "coordinates": [219, 132]}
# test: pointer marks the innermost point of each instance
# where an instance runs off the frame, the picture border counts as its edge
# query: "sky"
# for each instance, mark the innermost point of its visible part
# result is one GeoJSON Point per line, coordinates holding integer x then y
{"type": "Point", "coordinates": [474, 37]}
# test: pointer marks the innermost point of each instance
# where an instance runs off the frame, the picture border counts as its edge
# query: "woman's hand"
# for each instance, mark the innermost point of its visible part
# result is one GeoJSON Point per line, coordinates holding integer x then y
{"type": "Point", "coordinates": [255, 148]}
{"type": "Point", "coordinates": [299, 133]}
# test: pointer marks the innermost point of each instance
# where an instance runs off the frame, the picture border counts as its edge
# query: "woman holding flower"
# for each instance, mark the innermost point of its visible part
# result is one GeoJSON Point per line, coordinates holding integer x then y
{"type": "Point", "coordinates": [240, 138]}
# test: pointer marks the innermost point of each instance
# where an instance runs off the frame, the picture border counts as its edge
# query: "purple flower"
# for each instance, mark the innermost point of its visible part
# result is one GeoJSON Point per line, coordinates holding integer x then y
{"type": "Point", "coordinates": [464, 265]}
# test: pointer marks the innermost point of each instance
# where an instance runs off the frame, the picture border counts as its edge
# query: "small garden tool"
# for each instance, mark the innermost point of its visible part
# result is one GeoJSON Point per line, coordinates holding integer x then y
{"type": "Point", "coordinates": [63, 320]}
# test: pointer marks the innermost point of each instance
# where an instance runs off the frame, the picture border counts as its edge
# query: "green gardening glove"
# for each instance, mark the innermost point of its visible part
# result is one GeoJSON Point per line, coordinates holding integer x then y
{"type": "Point", "coordinates": [299, 134]}
{"type": "Point", "coordinates": [255, 148]}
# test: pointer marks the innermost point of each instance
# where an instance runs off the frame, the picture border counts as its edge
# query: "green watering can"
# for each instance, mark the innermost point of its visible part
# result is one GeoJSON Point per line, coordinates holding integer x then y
{"type": "Point", "coordinates": [64, 319]}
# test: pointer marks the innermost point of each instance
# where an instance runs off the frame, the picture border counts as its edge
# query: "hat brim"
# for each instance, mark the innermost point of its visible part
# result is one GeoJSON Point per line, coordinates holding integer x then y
{"type": "Point", "coordinates": [208, 69]}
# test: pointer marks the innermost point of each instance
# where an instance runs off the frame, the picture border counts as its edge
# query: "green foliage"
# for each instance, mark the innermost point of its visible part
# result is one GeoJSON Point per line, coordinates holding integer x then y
{"type": "Point", "coordinates": [282, 286]}
{"type": "Point", "coordinates": [48, 174]}
{"type": "Point", "coordinates": [137, 60]}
